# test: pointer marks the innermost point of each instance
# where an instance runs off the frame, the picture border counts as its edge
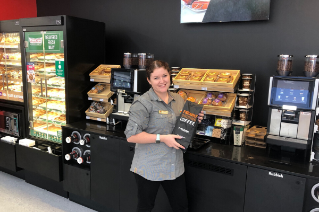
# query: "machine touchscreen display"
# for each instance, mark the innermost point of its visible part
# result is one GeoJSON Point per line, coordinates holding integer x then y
{"type": "Point", "coordinates": [292, 92]}
{"type": "Point", "coordinates": [121, 80]}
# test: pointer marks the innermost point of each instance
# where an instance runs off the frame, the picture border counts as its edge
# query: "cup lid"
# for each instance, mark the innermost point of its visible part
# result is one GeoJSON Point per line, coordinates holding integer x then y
{"type": "Point", "coordinates": [312, 55]}
{"type": "Point", "coordinates": [285, 55]}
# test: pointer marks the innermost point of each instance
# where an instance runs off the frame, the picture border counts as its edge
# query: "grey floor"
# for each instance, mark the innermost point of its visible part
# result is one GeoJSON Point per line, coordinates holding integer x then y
{"type": "Point", "coordinates": [17, 195]}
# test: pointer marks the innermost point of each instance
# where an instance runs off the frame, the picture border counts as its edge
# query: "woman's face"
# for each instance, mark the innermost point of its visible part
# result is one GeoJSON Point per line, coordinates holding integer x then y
{"type": "Point", "coordinates": [160, 80]}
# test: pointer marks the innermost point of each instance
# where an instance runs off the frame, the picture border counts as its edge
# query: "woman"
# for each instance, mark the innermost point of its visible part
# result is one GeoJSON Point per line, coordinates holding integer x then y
{"type": "Point", "coordinates": [158, 159]}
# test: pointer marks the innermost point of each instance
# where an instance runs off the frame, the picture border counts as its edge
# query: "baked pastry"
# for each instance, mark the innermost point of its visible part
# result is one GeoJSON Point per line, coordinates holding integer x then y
{"type": "Point", "coordinates": [197, 73]}
{"type": "Point", "coordinates": [210, 78]}
{"type": "Point", "coordinates": [224, 74]}
{"type": "Point", "coordinates": [211, 96]}
{"type": "Point", "coordinates": [191, 99]}
{"type": "Point", "coordinates": [196, 78]}
{"type": "Point", "coordinates": [185, 73]}
{"type": "Point", "coordinates": [224, 80]}
{"type": "Point", "coordinates": [37, 101]}
{"type": "Point", "coordinates": [53, 128]}
{"type": "Point", "coordinates": [217, 102]}
{"type": "Point", "coordinates": [212, 74]}
{"type": "Point", "coordinates": [60, 118]}
{"type": "Point", "coordinates": [182, 77]}
{"type": "Point", "coordinates": [222, 97]}
{"type": "Point", "coordinates": [183, 95]}
{"type": "Point", "coordinates": [209, 101]}
{"type": "Point", "coordinates": [38, 124]}
{"type": "Point", "coordinates": [98, 88]}
{"type": "Point", "coordinates": [38, 112]}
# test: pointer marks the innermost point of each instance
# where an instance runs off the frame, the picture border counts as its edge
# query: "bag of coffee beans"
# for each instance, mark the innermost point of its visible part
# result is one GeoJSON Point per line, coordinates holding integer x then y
{"type": "Point", "coordinates": [186, 125]}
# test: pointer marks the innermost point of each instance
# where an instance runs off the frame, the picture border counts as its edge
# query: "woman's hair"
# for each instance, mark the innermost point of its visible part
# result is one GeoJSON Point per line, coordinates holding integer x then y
{"type": "Point", "coordinates": [157, 64]}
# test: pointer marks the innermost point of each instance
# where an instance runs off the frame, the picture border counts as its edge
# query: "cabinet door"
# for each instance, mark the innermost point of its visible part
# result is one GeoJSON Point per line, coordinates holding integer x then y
{"type": "Point", "coordinates": [105, 171]}
{"type": "Point", "coordinates": [214, 185]}
{"type": "Point", "coordinates": [271, 191]}
{"type": "Point", "coordinates": [128, 187]}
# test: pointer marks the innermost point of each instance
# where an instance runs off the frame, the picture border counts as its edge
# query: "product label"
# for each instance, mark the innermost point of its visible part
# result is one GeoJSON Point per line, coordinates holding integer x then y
{"type": "Point", "coordinates": [59, 67]}
{"type": "Point", "coordinates": [30, 72]}
{"type": "Point", "coordinates": [163, 112]}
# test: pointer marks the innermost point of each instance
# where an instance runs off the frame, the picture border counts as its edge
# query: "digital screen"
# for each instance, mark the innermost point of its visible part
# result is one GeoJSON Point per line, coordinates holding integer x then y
{"type": "Point", "coordinates": [292, 91]}
{"type": "Point", "coordinates": [122, 80]}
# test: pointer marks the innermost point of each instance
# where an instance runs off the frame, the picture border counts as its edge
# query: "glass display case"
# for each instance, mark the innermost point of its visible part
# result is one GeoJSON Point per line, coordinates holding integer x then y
{"type": "Point", "coordinates": [11, 83]}
{"type": "Point", "coordinates": [46, 83]}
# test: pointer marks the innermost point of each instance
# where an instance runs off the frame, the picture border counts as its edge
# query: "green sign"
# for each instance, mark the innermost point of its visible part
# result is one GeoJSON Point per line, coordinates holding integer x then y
{"type": "Point", "coordinates": [35, 41]}
{"type": "Point", "coordinates": [52, 41]}
{"type": "Point", "coordinates": [59, 67]}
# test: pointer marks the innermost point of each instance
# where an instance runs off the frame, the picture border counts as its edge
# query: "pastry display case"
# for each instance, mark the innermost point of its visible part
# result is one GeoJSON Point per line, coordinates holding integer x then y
{"type": "Point", "coordinates": [59, 53]}
{"type": "Point", "coordinates": [46, 83]}
{"type": "Point", "coordinates": [11, 83]}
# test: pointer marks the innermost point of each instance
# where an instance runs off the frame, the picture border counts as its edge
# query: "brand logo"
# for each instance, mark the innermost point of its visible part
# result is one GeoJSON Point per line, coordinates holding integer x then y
{"type": "Point", "coordinates": [182, 129]}
{"type": "Point", "coordinates": [275, 174]}
{"type": "Point", "coordinates": [35, 40]}
{"type": "Point", "coordinates": [103, 138]}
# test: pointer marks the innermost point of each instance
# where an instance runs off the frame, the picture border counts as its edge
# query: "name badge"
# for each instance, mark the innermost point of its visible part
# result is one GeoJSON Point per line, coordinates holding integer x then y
{"type": "Point", "coordinates": [163, 112]}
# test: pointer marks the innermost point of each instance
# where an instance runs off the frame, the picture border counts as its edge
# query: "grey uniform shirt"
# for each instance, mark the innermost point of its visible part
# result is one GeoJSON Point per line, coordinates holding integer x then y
{"type": "Point", "coordinates": [149, 113]}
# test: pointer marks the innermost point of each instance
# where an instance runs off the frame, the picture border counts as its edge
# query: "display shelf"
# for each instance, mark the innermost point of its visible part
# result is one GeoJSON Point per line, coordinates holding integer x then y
{"type": "Point", "coordinates": [52, 121]}
{"type": "Point", "coordinates": [98, 115]}
{"type": "Point", "coordinates": [10, 46]}
{"type": "Point", "coordinates": [208, 85]}
{"type": "Point", "coordinates": [96, 119]}
{"type": "Point", "coordinates": [51, 109]}
{"type": "Point", "coordinates": [49, 97]}
{"type": "Point", "coordinates": [49, 85]}
{"type": "Point", "coordinates": [11, 63]}
{"type": "Point", "coordinates": [244, 107]}
{"type": "Point", "coordinates": [241, 123]}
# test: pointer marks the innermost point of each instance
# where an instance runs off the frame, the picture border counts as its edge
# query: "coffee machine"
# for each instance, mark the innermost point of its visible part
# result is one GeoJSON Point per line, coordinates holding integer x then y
{"type": "Point", "coordinates": [128, 84]}
{"type": "Point", "coordinates": [292, 111]}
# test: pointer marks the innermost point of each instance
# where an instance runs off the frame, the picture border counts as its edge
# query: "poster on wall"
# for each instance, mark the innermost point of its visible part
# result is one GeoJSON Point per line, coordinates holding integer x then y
{"type": "Point", "coordinates": [204, 11]}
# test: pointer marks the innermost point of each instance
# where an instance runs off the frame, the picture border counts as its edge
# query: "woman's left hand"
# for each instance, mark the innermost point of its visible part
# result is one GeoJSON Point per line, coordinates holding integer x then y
{"type": "Point", "coordinates": [200, 116]}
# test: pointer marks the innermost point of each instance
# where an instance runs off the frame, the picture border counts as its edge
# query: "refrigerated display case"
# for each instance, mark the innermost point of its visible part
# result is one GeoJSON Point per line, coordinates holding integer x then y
{"type": "Point", "coordinates": [59, 53]}
{"type": "Point", "coordinates": [11, 79]}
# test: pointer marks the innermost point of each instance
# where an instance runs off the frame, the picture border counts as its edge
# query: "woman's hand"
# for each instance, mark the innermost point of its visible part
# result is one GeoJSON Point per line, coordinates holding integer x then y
{"type": "Point", "coordinates": [200, 116]}
{"type": "Point", "coordinates": [170, 141]}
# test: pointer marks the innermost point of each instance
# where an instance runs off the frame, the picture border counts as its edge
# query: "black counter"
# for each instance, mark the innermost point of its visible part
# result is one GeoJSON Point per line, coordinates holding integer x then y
{"type": "Point", "coordinates": [245, 155]}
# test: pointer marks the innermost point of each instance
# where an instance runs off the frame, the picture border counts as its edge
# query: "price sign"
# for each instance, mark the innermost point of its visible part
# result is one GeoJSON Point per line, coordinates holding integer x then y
{"type": "Point", "coordinates": [98, 119]}
{"type": "Point", "coordinates": [87, 117]}
{"type": "Point", "coordinates": [176, 86]}
{"type": "Point", "coordinates": [89, 98]}
{"type": "Point", "coordinates": [204, 88]}
{"type": "Point", "coordinates": [101, 100]}
{"type": "Point", "coordinates": [92, 80]}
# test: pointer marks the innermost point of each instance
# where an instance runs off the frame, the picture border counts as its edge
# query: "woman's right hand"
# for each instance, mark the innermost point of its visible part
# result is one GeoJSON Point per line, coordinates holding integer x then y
{"type": "Point", "coordinates": [170, 141]}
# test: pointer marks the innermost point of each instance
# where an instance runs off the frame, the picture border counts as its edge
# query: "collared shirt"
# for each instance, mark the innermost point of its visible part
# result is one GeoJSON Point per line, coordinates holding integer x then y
{"type": "Point", "coordinates": [151, 114]}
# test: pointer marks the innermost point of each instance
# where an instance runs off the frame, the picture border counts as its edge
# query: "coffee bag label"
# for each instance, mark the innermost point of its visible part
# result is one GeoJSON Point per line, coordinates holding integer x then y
{"type": "Point", "coordinates": [187, 123]}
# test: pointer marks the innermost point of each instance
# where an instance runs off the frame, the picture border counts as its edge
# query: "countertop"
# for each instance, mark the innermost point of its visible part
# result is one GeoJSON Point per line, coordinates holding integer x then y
{"type": "Point", "coordinates": [284, 162]}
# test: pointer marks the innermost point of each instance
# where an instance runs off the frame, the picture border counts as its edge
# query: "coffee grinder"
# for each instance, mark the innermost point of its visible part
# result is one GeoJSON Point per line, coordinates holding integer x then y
{"type": "Point", "coordinates": [292, 110]}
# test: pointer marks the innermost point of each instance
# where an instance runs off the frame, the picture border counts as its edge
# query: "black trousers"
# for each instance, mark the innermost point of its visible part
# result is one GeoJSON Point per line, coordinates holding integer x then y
{"type": "Point", "coordinates": [174, 189]}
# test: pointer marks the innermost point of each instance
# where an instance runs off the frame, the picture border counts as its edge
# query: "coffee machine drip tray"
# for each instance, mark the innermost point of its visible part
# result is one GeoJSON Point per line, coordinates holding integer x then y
{"type": "Point", "coordinates": [284, 141]}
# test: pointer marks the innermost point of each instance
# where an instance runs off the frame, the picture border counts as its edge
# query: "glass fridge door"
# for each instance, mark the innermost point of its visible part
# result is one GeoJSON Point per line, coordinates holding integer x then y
{"type": "Point", "coordinates": [11, 86]}
{"type": "Point", "coordinates": [46, 84]}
